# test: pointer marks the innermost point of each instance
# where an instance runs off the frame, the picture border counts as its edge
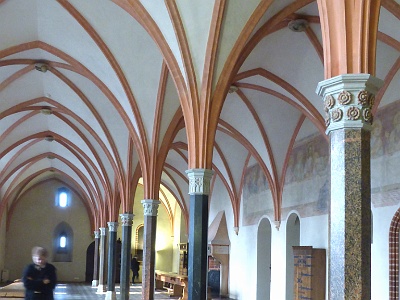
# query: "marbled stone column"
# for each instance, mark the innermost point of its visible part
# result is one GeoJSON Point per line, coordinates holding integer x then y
{"type": "Point", "coordinates": [112, 260]}
{"type": "Point", "coordinates": [95, 280]}
{"type": "Point", "coordinates": [102, 266]}
{"type": "Point", "coordinates": [150, 210]}
{"type": "Point", "coordinates": [199, 189]}
{"type": "Point", "coordinates": [348, 102]}
{"type": "Point", "coordinates": [126, 221]}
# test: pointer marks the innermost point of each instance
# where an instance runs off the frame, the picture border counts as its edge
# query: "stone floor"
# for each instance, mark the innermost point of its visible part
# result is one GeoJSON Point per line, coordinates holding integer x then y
{"type": "Point", "coordinates": [80, 291]}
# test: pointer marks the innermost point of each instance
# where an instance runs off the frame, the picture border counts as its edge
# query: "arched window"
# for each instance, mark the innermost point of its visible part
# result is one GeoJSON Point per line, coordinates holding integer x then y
{"type": "Point", "coordinates": [63, 243]}
{"type": "Point", "coordinates": [63, 197]}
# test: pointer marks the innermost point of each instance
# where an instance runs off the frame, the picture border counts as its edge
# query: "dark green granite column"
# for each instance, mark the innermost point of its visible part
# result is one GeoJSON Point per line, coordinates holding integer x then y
{"type": "Point", "coordinates": [95, 280]}
{"type": "Point", "coordinates": [199, 189]}
{"type": "Point", "coordinates": [150, 210]}
{"type": "Point", "coordinates": [102, 266]}
{"type": "Point", "coordinates": [348, 102]}
{"type": "Point", "coordinates": [126, 222]}
{"type": "Point", "coordinates": [112, 260]}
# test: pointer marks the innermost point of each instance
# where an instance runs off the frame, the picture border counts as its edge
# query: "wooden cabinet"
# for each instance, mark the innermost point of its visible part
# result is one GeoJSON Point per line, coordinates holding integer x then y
{"type": "Point", "coordinates": [183, 258]}
{"type": "Point", "coordinates": [309, 273]}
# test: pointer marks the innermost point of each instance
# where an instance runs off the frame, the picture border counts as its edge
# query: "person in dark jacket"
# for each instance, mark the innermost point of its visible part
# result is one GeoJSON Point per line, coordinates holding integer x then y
{"type": "Point", "coordinates": [40, 277]}
{"type": "Point", "coordinates": [135, 269]}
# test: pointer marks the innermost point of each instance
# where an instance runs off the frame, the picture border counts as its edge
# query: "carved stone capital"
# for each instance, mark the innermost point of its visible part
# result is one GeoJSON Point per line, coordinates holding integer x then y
{"type": "Point", "coordinates": [348, 100]}
{"type": "Point", "coordinates": [112, 226]}
{"type": "Point", "coordinates": [126, 219]}
{"type": "Point", "coordinates": [150, 207]}
{"type": "Point", "coordinates": [96, 234]}
{"type": "Point", "coordinates": [277, 224]}
{"type": "Point", "coordinates": [199, 181]}
{"type": "Point", "coordinates": [236, 230]}
{"type": "Point", "coordinates": [102, 230]}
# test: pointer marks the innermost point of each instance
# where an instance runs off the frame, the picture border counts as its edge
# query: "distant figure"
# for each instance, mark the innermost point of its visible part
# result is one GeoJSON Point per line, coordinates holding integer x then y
{"type": "Point", "coordinates": [135, 268]}
{"type": "Point", "coordinates": [40, 277]}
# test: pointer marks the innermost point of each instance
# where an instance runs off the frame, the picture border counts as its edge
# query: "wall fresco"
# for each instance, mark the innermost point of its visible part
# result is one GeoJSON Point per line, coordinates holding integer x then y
{"type": "Point", "coordinates": [307, 187]}
{"type": "Point", "coordinates": [307, 182]}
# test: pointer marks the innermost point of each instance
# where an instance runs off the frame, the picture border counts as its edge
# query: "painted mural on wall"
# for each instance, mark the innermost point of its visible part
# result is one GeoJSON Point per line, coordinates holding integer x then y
{"type": "Point", "coordinates": [307, 182]}
{"type": "Point", "coordinates": [385, 156]}
{"type": "Point", "coordinates": [256, 195]}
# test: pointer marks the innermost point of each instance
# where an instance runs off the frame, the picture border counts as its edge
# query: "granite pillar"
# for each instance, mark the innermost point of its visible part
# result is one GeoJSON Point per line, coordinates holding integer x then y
{"type": "Point", "coordinates": [199, 189]}
{"type": "Point", "coordinates": [150, 210]}
{"type": "Point", "coordinates": [95, 280]}
{"type": "Point", "coordinates": [348, 103]}
{"type": "Point", "coordinates": [102, 266]}
{"type": "Point", "coordinates": [126, 222]}
{"type": "Point", "coordinates": [112, 260]}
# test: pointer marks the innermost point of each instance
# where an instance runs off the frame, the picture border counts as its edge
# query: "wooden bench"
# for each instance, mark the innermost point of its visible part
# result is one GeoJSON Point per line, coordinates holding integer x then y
{"type": "Point", "coordinates": [175, 284]}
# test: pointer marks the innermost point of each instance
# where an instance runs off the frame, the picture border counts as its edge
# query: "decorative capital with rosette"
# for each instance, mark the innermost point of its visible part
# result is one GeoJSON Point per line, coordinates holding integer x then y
{"type": "Point", "coordinates": [96, 234]}
{"type": "Point", "coordinates": [112, 226]}
{"type": "Point", "coordinates": [126, 219]}
{"type": "Point", "coordinates": [348, 100]}
{"type": "Point", "coordinates": [150, 207]}
{"type": "Point", "coordinates": [199, 181]}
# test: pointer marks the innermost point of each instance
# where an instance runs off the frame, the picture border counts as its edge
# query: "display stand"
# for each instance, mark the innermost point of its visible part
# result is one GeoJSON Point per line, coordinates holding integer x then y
{"type": "Point", "coordinates": [309, 273]}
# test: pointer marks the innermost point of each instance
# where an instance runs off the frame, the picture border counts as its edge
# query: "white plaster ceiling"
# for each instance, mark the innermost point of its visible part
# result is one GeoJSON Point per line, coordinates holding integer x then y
{"type": "Point", "coordinates": [108, 62]}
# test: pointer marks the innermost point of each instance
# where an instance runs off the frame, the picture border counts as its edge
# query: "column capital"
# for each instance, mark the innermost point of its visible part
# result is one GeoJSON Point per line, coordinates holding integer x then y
{"type": "Point", "coordinates": [199, 181]}
{"type": "Point", "coordinates": [96, 234]}
{"type": "Point", "coordinates": [150, 207]}
{"type": "Point", "coordinates": [126, 219]}
{"type": "Point", "coordinates": [102, 230]}
{"type": "Point", "coordinates": [348, 100]}
{"type": "Point", "coordinates": [112, 226]}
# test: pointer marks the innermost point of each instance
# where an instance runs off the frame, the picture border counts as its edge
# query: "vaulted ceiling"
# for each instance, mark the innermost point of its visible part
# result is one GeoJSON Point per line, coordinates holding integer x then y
{"type": "Point", "coordinates": [91, 90]}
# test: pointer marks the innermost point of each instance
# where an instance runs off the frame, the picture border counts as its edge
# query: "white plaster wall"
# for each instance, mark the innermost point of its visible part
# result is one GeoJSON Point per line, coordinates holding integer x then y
{"type": "Point", "coordinates": [314, 231]}
{"type": "Point", "coordinates": [382, 217]}
{"type": "Point", "coordinates": [164, 239]}
{"type": "Point", "coordinates": [278, 265]}
{"type": "Point", "coordinates": [32, 224]}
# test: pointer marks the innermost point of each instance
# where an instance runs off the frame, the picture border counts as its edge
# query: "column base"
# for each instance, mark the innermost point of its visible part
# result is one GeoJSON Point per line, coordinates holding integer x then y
{"type": "Point", "coordinates": [101, 288]}
{"type": "Point", "coordinates": [111, 295]}
{"type": "Point", "coordinates": [95, 283]}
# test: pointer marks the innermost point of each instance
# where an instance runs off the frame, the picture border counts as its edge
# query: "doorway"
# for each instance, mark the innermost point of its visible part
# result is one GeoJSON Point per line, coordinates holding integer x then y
{"type": "Point", "coordinates": [292, 239]}
{"type": "Point", "coordinates": [264, 260]}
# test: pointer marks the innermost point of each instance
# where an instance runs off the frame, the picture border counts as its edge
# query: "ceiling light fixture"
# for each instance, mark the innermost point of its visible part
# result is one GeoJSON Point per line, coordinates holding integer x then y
{"type": "Point", "coordinates": [41, 67]}
{"type": "Point", "coordinates": [50, 157]}
{"type": "Point", "coordinates": [298, 25]}
{"type": "Point", "coordinates": [49, 138]}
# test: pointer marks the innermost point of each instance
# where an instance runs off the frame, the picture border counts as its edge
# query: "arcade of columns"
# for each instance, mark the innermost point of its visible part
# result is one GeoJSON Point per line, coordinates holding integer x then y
{"type": "Point", "coordinates": [349, 37]}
